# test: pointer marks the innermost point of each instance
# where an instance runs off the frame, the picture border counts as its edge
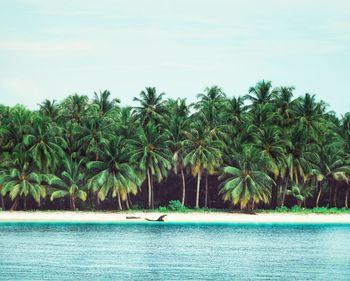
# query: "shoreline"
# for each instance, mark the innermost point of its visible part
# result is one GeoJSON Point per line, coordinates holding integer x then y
{"type": "Point", "coordinates": [191, 217]}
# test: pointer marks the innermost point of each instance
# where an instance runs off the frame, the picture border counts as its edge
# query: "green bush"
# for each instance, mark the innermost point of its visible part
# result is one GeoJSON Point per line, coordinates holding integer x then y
{"type": "Point", "coordinates": [283, 209]}
{"type": "Point", "coordinates": [176, 206]}
{"type": "Point", "coordinates": [162, 209]}
{"type": "Point", "coordinates": [320, 210]}
{"type": "Point", "coordinates": [297, 209]}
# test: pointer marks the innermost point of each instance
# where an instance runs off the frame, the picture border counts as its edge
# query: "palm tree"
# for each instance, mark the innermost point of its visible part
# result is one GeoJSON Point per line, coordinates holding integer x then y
{"type": "Point", "coordinates": [202, 153]}
{"type": "Point", "coordinates": [115, 174]}
{"type": "Point", "coordinates": [345, 130]}
{"type": "Point", "coordinates": [345, 134]}
{"type": "Point", "coordinates": [175, 124]}
{"type": "Point", "coordinates": [14, 127]}
{"type": "Point", "coordinates": [261, 93]}
{"type": "Point", "coordinates": [50, 109]}
{"type": "Point", "coordinates": [151, 106]}
{"type": "Point", "coordinates": [271, 147]}
{"type": "Point", "coordinates": [178, 107]}
{"type": "Point", "coordinates": [300, 193]}
{"type": "Point", "coordinates": [45, 144]}
{"type": "Point", "coordinates": [262, 115]}
{"type": "Point", "coordinates": [75, 106]}
{"type": "Point", "coordinates": [211, 115]}
{"type": "Point", "coordinates": [210, 106]}
{"type": "Point", "coordinates": [20, 180]}
{"type": "Point", "coordinates": [210, 100]}
{"type": "Point", "coordinates": [127, 123]}
{"type": "Point", "coordinates": [70, 183]}
{"type": "Point", "coordinates": [302, 156]}
{"type": "Point", "coordinates": [285, 104]}
{"type": "Point", "coordinates": [151, 151]}
{"type": "Point", "coordinates": [235, 111]}
{"type": "Point", "coordinates": [309, 114]}
{"type": "Point", "coordinates": [71, 133]}
{"type": "Point", "coordinates": [103, 102]}
{"type": "Point", "coordinates": [94, 134]}
{"type": "Point", "coordinates": [244, 183]}
{"type": "Point", "coordinates": [333, 168]}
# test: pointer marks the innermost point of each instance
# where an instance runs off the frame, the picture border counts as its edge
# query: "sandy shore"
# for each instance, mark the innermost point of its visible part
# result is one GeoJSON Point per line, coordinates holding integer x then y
{"type": "Point", "coordinates": [62, 216]}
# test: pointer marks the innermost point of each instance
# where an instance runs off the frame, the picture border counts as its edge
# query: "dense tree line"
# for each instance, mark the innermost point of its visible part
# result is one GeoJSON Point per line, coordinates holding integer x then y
{"type": "Point", "coordinates": [261, 150]}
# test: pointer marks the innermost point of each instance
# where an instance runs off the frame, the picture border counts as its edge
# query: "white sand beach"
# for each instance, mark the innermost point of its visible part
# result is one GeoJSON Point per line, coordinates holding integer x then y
{"type": "Point", "coordinates": [66, 216]}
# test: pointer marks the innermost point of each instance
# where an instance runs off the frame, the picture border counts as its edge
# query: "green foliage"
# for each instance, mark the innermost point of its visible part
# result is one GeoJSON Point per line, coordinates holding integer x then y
{"type": "Point", "coordinates": [300, 193]}
{"type": "Point", "coordinates": [322, 210]}
{"type": "Point", "coordinates": [178, 208]}
{"type": "Point", "coordinates": [245, 184]}
{"type": "Point", "coordinates": [262, 150]}
{"type": "Point", "coordinates": [115, 174]}
{"type": "Point", "coordinates": [19, 179]}
{"type": "Point", "coordinates": [175, 205]}
{"type": "Point", "coordinates": [69, 184]}
{"type": "Point", "coordinates": [162, 209]}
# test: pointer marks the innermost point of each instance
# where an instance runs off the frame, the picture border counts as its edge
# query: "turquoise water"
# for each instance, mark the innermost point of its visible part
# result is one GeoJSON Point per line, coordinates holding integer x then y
{"type": "Point", "coordinates": [156, 251]}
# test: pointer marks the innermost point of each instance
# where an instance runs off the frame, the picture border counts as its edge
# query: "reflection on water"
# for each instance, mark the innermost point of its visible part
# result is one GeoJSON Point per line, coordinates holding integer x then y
{"type": "Point", "coordinates": [156, 251]}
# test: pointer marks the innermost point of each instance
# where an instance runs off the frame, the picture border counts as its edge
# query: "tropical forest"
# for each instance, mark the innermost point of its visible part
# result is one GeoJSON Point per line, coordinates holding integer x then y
{"type": "Point", "coordinates": [265, 149]}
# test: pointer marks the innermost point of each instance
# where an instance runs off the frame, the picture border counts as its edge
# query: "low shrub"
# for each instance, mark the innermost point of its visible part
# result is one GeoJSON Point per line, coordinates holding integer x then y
{"type": "Point", "coordinates": [283, 209]}
{"type": "Point", "coordinates": [297, 209]}
{"type": "Point", "coordinates": [175, 206]}
{"type": "Point", "coordinates": [162, 209]}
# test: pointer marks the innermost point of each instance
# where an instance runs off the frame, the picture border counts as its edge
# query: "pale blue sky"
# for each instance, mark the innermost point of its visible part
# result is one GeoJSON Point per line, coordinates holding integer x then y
{"type": "Point", "coordinates": [50, 49]}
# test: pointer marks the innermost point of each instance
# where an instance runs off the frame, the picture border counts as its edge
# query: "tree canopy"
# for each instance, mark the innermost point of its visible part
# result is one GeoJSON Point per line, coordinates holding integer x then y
{"type": "Point", "coordinates": [263, 149]}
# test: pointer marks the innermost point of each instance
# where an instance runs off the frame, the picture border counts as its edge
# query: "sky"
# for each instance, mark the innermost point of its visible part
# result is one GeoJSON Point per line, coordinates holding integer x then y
{"type": "Point", "coordinates": [52, 49]}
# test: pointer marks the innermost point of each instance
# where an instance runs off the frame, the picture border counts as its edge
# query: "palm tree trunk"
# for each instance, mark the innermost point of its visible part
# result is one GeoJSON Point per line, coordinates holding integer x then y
{"type": "Point", "coordinates": [330, 193]}
{"type": "Point", "coordinates": [97, 201]}
{"type": "Point", "coordinates": [119, 202]}
{"type": "Point", "coordinates": [91, 199]}
{"type": "Point", "coordinates": [318, 194]}
{"type": "Point", "coordinates": [127, 202]}
{"type": "Point", "coordinates": [274, 197]}
{"type": "Point", "coordinates": [14, 205]}
{"type": "Point", "coordinates": [198, 186]}
{"type": "Point", "coordinates": [280, 192]}
{"type": "Point", "coordinates": [2, 203]}
{"type": "Point", "coordinates": [183, 187]}
{"type": "Point", "coordinates": [152, 187]}
{"type": "Point", "coordinates": [335, 195]}
{"type": "Point", "coordinates": [25, 203]}
{"type": "Point", "coordinates": [347, 196]}
{"type": "Point", "coordinates": [149, 189]}
{"type": "Point", "coordinates": [206, 192]}
{"type": "Point", "coordinates": [284, 192]}
{"type": "Point", "coordinates": [72, 203]}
